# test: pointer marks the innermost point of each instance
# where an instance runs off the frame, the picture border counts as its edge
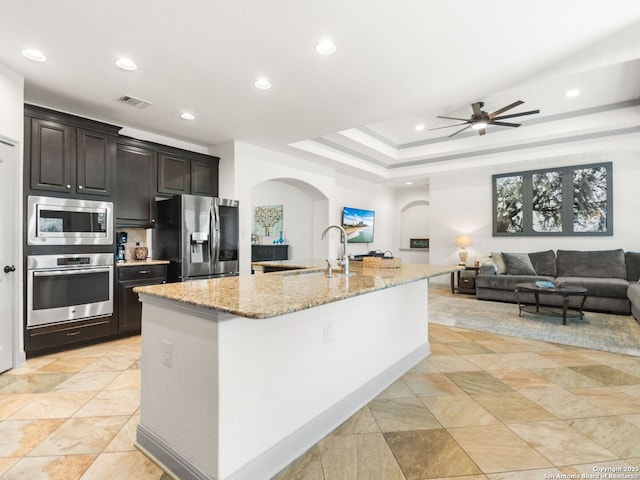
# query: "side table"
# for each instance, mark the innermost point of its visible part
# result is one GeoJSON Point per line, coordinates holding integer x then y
{"type": "Point", "coordinates": [464, 283]}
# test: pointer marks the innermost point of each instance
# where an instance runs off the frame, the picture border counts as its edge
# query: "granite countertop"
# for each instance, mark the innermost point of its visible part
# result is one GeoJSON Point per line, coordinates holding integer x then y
{"type": "Point", "coordinates": [136, 263]}
{"type": "Point", "coordinates": [273, 294]}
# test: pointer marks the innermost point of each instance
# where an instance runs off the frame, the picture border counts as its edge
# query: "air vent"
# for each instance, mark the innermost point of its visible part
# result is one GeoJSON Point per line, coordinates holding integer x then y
{"type": "Point", "coordinates": [134, 102]}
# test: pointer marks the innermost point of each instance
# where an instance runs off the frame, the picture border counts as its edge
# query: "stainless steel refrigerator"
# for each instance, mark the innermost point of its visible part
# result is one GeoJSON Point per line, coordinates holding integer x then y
{"type": "Point", "coordinates": [198, 235]}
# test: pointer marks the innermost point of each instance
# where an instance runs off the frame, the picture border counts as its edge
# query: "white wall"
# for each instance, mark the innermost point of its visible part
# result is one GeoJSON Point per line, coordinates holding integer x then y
{"type": "Point", "coordinates": [461, 202]}
{"type": "Point", "coordinates": [12, 129]}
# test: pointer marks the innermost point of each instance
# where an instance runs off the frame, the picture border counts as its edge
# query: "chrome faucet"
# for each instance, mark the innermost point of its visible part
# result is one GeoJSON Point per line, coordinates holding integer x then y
{"type": "Point", "coordinates": [344, 261]}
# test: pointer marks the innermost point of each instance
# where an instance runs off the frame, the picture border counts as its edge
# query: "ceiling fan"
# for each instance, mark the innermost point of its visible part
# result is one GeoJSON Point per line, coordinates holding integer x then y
{"type": "Point", "coordinates": [481, 119]}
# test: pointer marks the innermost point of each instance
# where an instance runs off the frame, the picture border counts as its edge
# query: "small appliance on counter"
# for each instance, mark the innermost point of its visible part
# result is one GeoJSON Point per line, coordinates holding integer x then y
{"type": "Point", "coordinates": [140, 253]}
{"type": "Point", "coordinates": [121, 241]}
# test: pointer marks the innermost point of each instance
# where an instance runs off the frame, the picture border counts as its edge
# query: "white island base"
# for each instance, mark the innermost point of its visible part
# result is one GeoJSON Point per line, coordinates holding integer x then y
{"type": "Point", "coordinates": [228, 397]}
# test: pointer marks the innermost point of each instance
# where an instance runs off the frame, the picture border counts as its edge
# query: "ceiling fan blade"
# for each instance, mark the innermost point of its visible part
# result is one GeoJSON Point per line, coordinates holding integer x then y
{"type": "Point", "coordinates": [482, 131]}
{"type": "Point", "coordinates": [530, 112]}
{"type": "Point", "coordinates": [506, 124]}
{"type": "Point", "coordinates": [477, 108]}
{"type": "Point", "coordinates": [454, 118]}
{"type": "Point", "coordinates": [461, 130]}
{"type": "Point", "coordinates": [504, 109]}
{"type": "Point", "coordinates": [449, 126]}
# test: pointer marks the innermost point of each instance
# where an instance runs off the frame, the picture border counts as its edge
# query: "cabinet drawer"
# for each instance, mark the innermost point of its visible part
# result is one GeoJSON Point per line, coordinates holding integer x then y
{"type": "Point", "coordinates": [50, 338]}
{"type": "Point", "coordinates": [141, 272]}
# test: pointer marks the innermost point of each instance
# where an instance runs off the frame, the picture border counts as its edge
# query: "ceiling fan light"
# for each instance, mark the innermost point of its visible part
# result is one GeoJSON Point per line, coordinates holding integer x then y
{"type": "Point", "coordinates": [479, 125]}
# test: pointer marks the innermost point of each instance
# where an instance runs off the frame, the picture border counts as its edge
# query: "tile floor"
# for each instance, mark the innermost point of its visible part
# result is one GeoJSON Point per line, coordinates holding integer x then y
{"type": "Point", "coordinates": [481, 406]}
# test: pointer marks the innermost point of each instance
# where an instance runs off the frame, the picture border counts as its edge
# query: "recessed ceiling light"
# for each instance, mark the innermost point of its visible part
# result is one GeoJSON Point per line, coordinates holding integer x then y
{"type": "Point", "coordinates": [35, 55]}
{"type": "Point", "coordinates": [126, 64]}
{"type": "Point", "coordinates": [187, 116]}
{"type": "Point", "coordinates": [420, 127]}
{"type": "Point", "coordinates": [409, 183]}
{"type": "Point", "coordinates": [326, 47]}
{"type": "Point", "coordinates": [263, 84]}
{"type": "Point", "coordinates": [572, 93]}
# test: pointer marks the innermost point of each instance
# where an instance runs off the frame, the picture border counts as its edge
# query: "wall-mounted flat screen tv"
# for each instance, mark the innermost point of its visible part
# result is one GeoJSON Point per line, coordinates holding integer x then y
{"type": "Point", "coordinates": [358, 224]}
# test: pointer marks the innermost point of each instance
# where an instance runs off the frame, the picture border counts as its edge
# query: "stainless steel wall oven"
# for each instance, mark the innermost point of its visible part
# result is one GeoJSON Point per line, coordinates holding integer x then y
{"type": "Point", "coordinates": [64, 288]}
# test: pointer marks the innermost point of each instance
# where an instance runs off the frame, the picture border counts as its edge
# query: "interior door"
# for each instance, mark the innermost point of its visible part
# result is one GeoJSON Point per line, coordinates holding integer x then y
{"type": "Point", "coordinates": [8, 263]}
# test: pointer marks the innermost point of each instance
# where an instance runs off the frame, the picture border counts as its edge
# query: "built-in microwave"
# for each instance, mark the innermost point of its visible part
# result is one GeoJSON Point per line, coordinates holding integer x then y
{"type": "Point", "coordinates": [67, 221]}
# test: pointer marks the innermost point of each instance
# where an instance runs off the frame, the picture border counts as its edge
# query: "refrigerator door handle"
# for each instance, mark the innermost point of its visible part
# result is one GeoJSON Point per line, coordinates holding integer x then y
{"type": "Point", "coordinates": [215, 238]}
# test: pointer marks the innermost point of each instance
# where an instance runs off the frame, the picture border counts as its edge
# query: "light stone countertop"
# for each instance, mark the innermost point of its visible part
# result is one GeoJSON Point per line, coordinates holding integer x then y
{"type": "Point", "coordinates": [273, 294]}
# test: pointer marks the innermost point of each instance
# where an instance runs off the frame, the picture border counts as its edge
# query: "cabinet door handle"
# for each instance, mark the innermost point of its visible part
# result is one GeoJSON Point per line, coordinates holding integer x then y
{"type": "Point", "coordinates": [143, 271]}
{"type": "Point", "coordinates": [68, 186]}
{"type": "Point", "coordinates": [79, 187]}
{"type": "Point", "coordinates": [73, 334]}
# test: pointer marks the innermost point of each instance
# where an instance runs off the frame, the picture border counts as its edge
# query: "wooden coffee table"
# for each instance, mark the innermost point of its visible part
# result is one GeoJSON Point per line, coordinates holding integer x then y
{"type": "Point", "coordinates": [566, 292]}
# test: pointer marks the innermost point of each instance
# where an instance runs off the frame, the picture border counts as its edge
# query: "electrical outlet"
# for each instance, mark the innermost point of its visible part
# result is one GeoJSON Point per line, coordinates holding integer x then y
{"type": "Point", "coordinates": [167, 353]}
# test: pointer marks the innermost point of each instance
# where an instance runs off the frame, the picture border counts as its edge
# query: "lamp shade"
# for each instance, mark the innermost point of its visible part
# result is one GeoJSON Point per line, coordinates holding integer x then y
{"type": "Point", "coordinates": [463, 240]}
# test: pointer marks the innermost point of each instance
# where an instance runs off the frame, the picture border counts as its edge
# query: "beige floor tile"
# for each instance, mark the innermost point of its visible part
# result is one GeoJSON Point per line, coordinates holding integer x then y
{"type": "Point", "coordinates": [429, 453]}
{"type": "Point", "coordinates": [361, 422]}
{"type": "Point", "coordinates": [9, 404]}
{"type": "Point", "coordinates": [7, 463]}
{"type": "Point", "coordinates": [494, 361]}
{"type": "Point", "coordinates": [566, 377]}
{"type": "Point", "coordinates": [111, 363]}
{"type": "Point", "coordinates": [32, 365]}
{"type": "Point", "coordinates": [523, 379]}
{"type": "Point", "coordinates": [110, 466]}
{"type": "Point", "coordinates": [397, 389]}
{"type": "Point", "coordinates": [67, 365]}
{"type": "Point", "coordinates": [501, 346]}
{"type": "Point", "coordinates": [50, 468]}
{"type": "Point", "coordinates": [111, 403]}
{"type": "Point", "coordinates": [537, 345]}
{"type": "Point", "coordinates": [495, 448]}
{"type": "Point", "coordinates": [564, 404]}
{"type": "Point", "coordinates": [87, 382]}
{"type": "Point", "coordinates": [441, 349]}
{"type": "Point", "coordinates": [431, 384]}
{"type": "Point", "coordinates": [307, 467]}
{"type": "Point", "coordinates": [452, 363]}
{"type": "Point", "coordinates": [424, 366]}
{"type": "Point", "coordinates": [530, 360]}
{"type": "Point", "coordinates": [458, 411]}
{"type": "Point", "coordinates": [607, 375]}
{"type": "Point", "coordinates": [513, 408]}
{"type": "Point", "coordinates": [80, 436]}
{"type": "Point", "coordinates": [402, 414]}
{"type": "Point", "coordinates": [612, 433]}
{"type": "Point", "coordinates": [468, 348]}
{"type": "Point", "coordinates": [537, 474]}
{"type": "Point", "coordinates": [633, 419]}
{"type": "Point", "coordinates": [445, 334]}
{"type": "Point", "coordinates": [569, 358]}
{"type": "Point", "coordinates": [127, 380]}
{"type": "Point", "coordinates": [19, 437]}
{"type": "Point", "coordinates": [354, 457]}
{"type": "Point", "coordinates": [560, 443]}
{"type": "Point", "coordinates": [476, 383]}
{"type": "Point", "coordinates": [126, 437]}
{"type": "Point", "coordinates": [32, 383]}
{"type": "Point", "coordinates": [54, 405]}
{"type": "Point", "coordinates": [611, 399]}
{"type": "Point", "coordinates": [463, 477]}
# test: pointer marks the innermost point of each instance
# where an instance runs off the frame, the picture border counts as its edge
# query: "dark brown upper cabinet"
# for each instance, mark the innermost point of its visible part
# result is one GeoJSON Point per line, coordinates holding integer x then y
{"type": "Point", "coordinates": [178, 174]}
{"type": "Point", "coordinates": [68, 154]}
{"type": "Point", "coordinates": [135, 192]}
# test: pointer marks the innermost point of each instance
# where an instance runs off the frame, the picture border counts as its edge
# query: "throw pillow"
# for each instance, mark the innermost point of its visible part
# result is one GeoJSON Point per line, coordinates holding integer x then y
{"type": "Point", "coordinates": [518, 264]}
{"type": "Point", "coordinates": [501, 267]}
{"type": "Point", "coordinates": [544, 263]}
{"type": "Point", "coordinates": [632, 260]}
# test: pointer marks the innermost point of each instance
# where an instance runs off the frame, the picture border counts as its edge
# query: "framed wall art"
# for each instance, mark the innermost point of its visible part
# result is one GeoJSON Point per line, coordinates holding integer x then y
{"type": "Point", "coordinates": [575, 200]}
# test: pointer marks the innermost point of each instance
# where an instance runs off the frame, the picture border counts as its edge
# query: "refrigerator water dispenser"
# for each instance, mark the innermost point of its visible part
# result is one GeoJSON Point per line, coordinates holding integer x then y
{"type": "Point", "coordinates": [199, 244]}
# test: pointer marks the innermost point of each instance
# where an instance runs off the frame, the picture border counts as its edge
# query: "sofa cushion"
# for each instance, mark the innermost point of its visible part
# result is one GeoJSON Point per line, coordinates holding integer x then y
{"type": "Point", "coordinates": [544, 263]}
{"type": "Point", "coordinates": [518, 264]}
{"type": "Point", "coordinates": [498, 259]}
{"type": "Point", "coordinates": [633, 292]}
{"type": "Point", "coordinates": [595, 263]}
{"type": "Point", "coordinates": [632, 260]}
{"type": "Point", "coordinates": [598, 287]}
{"type": "Point", "coordinates": [506, 282]}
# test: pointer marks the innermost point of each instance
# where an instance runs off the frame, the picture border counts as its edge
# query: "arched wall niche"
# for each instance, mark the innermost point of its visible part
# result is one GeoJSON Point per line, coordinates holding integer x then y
{"type": "Point", "coordinates": [305, 214]}
{"type": "Point", "coordinates": [414, 223]}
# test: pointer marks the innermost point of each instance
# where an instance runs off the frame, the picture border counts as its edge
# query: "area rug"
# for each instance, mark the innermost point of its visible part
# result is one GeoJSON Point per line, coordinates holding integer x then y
{"type": "Point", "coordinates": [596, 331]}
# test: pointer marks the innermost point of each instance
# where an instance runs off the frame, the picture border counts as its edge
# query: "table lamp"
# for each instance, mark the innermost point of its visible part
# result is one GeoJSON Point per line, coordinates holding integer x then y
{"type": "Point", "coordinates": [463, 241]}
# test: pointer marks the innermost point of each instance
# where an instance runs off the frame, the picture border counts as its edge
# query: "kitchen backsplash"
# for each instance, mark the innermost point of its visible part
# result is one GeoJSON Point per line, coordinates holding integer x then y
{"type": "Point", "coordinates": [138, 235]}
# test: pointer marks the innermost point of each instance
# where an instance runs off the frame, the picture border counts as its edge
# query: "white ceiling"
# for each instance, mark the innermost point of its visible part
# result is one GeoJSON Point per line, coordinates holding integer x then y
{"type": "Point", "coordinates": [398, 63]}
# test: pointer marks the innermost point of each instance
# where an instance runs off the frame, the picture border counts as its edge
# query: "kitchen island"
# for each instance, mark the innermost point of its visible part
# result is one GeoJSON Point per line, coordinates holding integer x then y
{"type": "Point", "coordinates": [241, 375]}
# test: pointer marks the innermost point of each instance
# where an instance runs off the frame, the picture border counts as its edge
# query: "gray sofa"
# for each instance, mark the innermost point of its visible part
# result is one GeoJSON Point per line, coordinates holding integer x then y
{"type": "Point", "coordinates": [610, 276]}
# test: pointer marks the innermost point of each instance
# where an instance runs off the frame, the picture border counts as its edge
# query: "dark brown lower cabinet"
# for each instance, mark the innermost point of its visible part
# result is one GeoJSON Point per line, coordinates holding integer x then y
{"type": "Point", "coordinates": [51, 338]}
{"type": "Point", "coordinates": [129, 307]}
